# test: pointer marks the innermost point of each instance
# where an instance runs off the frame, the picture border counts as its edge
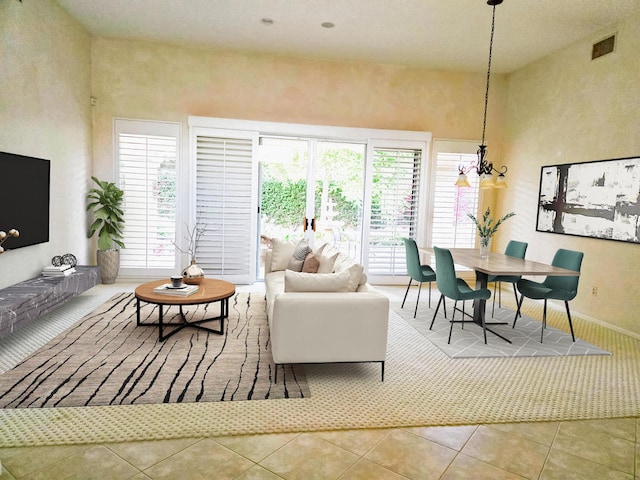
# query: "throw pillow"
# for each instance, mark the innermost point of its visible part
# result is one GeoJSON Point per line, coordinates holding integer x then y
{"type": "Point", "coordinates": [300, 252]}
{"type": "Point", "coordinates": [311, 264]}
{"type": "Point", "coordinates": [326, 263]}
{"type": "Point", "coordinates": [355, 274]}
{"type": "Point", "coordinates": [282, 251]}
{"type": "Point", "coordinates": [316, 282]}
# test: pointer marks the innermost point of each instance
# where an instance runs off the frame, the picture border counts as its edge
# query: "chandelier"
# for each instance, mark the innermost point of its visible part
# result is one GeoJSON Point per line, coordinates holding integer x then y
{"type": "Point", "coordinates": [482, 167]}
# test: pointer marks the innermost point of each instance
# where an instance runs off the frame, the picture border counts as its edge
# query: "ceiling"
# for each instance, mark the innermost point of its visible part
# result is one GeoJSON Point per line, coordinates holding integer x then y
{"type": "Point", "coordinates": [436, 34]}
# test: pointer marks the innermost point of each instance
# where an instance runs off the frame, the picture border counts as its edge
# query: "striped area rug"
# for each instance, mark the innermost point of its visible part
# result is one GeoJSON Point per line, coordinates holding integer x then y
{"type": "Point", "coordinates": [106, 359]}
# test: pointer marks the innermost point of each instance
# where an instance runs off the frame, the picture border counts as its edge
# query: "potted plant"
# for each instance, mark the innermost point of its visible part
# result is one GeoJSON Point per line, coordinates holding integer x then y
{"type": "Point", "coordinates": [487, 228]}
{"type": "Point", "coordinates": [105, 203]}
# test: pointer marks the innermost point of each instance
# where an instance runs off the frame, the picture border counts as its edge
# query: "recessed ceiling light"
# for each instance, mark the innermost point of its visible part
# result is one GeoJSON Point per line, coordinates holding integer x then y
{"type": "Point", "coordinates": [328, 24]}
{"type": "Point", "coordinates": [267, 21]}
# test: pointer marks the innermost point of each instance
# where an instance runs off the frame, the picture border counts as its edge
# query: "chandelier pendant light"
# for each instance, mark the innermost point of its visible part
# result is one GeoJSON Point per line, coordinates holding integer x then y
{"type": "Point", "coordinates": [483, 167]}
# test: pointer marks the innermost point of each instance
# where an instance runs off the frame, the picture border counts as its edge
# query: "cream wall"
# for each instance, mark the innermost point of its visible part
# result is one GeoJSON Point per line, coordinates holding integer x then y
{"type": "Point", "coordinates": [164, 82]}
{"type": "Point", "coordinates": [567, 108]}
{"type": "Point", "coordinates": [45, 78]}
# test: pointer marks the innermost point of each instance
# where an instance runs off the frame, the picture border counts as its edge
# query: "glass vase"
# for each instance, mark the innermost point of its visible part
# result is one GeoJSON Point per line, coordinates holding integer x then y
{"type": "Point", "coordinates": [485, 247]}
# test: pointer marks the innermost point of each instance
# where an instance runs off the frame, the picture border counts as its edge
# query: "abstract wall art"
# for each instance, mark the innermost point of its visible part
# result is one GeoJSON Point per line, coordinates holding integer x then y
{"type": "Point", "coordinates": [598, 199]}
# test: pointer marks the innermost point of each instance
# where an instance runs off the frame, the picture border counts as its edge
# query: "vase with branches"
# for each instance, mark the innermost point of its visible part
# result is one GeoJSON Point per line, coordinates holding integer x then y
{"type": "Point", "coordinates": [192, 274]}
{"type": "Point", "coordinates": [487, 228]}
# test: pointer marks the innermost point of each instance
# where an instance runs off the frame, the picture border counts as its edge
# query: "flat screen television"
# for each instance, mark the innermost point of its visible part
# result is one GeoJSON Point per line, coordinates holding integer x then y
{"type": "Point", "coordinates": [24, 199]}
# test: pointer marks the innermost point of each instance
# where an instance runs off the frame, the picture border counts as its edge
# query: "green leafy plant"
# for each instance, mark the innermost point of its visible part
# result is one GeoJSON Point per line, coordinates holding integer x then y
{"type": "Point", "coordinates": [488, 226]}
{"type": "Point", "coordinates": [105, 202]}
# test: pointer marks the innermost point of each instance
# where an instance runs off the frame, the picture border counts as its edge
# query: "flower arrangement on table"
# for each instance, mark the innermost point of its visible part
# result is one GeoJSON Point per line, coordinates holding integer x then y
{"type": "Point", "coordinates": [487, 228]}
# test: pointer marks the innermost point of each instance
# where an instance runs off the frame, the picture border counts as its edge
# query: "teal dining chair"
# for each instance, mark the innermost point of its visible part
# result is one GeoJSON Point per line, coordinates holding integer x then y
{"type": "Point", "coordinates": [514, 249]}
{"type": "Point", "coordinates": [416, 271]}
{"type": "Point", "coordinates": [563, 288]}
{"type": "Point", "coordinates": [456, 289]}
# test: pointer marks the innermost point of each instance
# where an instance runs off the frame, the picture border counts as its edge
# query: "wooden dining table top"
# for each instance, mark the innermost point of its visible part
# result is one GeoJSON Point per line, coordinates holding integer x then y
{"type": "Point", "coordinates": [501, 264]}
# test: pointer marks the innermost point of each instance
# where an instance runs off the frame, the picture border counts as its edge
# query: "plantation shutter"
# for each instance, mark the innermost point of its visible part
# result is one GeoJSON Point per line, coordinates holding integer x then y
{"type": "Point", "coordinates": [450, 225]}
{"type": "Point", "coordinates": [226, 203]}
{"type": "Point", "coordinates": [147, 154]}
{"type": "Point", "coordinates": [395, 200]}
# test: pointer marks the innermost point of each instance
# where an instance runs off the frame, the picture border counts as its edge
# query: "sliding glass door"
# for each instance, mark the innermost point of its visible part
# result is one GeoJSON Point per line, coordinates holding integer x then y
{"type": "Point", "coordinates": [311, 188]}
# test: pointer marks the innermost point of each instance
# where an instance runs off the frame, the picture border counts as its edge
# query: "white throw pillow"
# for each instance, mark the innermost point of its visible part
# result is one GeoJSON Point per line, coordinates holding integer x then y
{"type": "Point", "coordinates": [327, 262]}
{"type": "Point", "coordinates": [355, 274]}
{"type": "Point", "coordinates": [316, 282]}
{"type": "Point", "coordinates": [282, 251]}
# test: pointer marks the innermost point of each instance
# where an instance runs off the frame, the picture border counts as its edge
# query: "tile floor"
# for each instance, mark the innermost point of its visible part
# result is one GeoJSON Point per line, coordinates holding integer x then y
{"type": "Point", "coordinates": [594, 449]}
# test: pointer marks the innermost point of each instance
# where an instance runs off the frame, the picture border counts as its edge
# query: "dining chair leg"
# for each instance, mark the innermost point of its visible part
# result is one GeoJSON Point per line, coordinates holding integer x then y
{"type": "Point", "coordinates": [453, 316]}
{"type": "Point", "coordinates": [415, 312]}
{"type": "Point", "coordinates": [405, 293]}
{"type": "Point", "coordinates": [544, 320]}
{"type": "Point", "coordinates": [430, 294]}
{"type": "Point", "coordinates": [566, 304]}
{"type": "Point", "coordinates": [493, 307]}
{"type": "Point", "coordinates": [484, 326]}
{"type": "Point", "coordinates": [499, 294]}
{"type": "Point", "coordinates": [436, 312]}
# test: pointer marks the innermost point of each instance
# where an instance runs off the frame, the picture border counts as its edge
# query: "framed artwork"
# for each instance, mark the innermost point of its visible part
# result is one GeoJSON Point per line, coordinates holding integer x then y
{"type": "Point", "coordinates": [598, 199]}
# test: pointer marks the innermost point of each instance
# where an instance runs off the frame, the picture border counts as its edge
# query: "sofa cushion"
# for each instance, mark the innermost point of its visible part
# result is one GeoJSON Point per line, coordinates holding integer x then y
{"type": "Point", "coordinates": [311, 264]}
{"type": "Point", "coordinates": [326, 262]}
{"type": "Point", "coordinates": [282, 251]}
{"type": "Point", "coordinates": [316, 282]}
{"type": "Point", "coordinates": [300, 252]}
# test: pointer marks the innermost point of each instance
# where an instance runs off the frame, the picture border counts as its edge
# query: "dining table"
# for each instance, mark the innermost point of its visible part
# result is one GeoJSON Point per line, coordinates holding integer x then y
{"type": "Point", "coordinates": [496, 264]}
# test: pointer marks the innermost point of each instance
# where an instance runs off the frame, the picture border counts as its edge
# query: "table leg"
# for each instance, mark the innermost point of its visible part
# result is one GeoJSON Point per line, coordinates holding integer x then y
{"type": "Point", "coordinates": [479, 306]}
{"type": "Point", "coordinates": [138, 311]}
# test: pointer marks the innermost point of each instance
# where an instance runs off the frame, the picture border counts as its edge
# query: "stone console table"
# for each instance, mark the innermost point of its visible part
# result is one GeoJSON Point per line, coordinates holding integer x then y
{"type": "Point", "coordinates": [26, 301]}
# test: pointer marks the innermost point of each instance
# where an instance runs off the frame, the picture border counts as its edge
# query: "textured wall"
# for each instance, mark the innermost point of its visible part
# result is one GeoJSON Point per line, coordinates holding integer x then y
{"type": "Point", "coordinates": [567, 108]}
{"type": "Point", "coordinates": [163, 82]}
{"type": "Point", "coordinates": [45, 73]}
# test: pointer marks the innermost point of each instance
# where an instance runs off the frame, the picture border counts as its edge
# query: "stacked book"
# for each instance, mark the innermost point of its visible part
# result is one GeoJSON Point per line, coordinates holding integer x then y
{"type": "Point", "coordinates": [181, 291]}
{"type": "Point", "coordinates": [61, 271]}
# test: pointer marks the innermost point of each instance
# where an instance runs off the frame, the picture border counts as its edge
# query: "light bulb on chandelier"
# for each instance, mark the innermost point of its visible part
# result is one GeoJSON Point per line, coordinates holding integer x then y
{"type": "Point", "coordinates": [482, 167]}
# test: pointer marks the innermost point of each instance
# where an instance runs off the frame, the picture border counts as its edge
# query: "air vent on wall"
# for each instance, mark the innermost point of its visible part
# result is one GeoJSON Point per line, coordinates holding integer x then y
{"type": "Point", "coordinates": [603, 47]}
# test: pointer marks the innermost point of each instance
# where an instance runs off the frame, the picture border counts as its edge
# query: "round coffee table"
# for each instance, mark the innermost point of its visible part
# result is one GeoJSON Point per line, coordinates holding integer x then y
{"type": "Point", "coordinates": [209, 291]}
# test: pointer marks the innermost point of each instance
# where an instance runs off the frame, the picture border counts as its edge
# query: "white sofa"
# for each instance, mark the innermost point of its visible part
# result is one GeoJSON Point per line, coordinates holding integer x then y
{"type": "Point", "coordinates": [333, 315]}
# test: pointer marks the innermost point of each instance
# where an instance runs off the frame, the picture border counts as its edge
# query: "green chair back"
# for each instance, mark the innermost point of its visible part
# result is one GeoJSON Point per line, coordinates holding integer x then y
{"type": "Point", "coordinates": [571, 260]}
{"type": "Point", "coordinates": [414, 268]}
{"type": "Point", "coordinates": [516, 249]}
{"type": "Point", "coordinates": [446, 274]}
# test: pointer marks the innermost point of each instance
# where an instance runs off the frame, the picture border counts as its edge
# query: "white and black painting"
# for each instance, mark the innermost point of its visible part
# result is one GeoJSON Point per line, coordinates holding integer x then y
{"type": "Point", "coordinates": [592, 199]}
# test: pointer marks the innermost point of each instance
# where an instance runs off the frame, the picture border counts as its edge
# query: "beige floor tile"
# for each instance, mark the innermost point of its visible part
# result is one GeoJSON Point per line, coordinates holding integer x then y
{"type": "Point", "coordinates": [411, 455]}
{"type": "Point", "coordinates": [140, 476]}
{"type": "Point", "coordinates": [624, 428]}
{"type": "Point", "coordinates": [256, 447]}
{"type": "Point", "coordinates": [4, 473]}
{"type": "Point", "coordinates": [591, 442]}
{"type": "Point", "coordinates": [564, 466]}
{"type": "Point", "coordinates": [143, 455]}
{"type": "Point", "coordinates": [507, 451]}
{"type": "Point", "coordinates": [541, 432]}
{"type": "Point", "coordinates": [452, 437]}
{"type": "Point", "coordinates": [308, 457]}
{"type": "Point", "coordinates": [21, 461]}
{"type": "Point", "coordinates": [258, 473]}
{"type": "Point", "coordinates": [203, 460]}
{"type": "Point", "coordinates": [354, 441]}
{"type": "Point", "coordinates": [465, 467]}
{"type": "Point", "coordinates": [94, 462]}
{"type": "Point", "coordinates": [366, 470]}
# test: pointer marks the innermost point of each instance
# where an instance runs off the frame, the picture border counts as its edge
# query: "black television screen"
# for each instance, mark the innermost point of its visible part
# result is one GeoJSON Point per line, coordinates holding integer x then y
{"type": "Point", "coordinates": [24, 199]}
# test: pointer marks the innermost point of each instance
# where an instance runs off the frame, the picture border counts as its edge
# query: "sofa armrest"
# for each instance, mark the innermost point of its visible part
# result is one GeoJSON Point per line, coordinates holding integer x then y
{"type": "Point", "coordinates": [329, 327]}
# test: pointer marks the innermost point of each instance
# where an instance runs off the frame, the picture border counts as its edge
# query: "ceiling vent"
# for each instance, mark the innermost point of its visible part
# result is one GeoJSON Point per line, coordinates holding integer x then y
{"type": "Point", "coordinates": [603, 47]}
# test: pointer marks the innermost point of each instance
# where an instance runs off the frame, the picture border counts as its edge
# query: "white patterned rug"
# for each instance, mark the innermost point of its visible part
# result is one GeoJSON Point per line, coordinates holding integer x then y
{"type": "Point", "coordinates": [468, 342]}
